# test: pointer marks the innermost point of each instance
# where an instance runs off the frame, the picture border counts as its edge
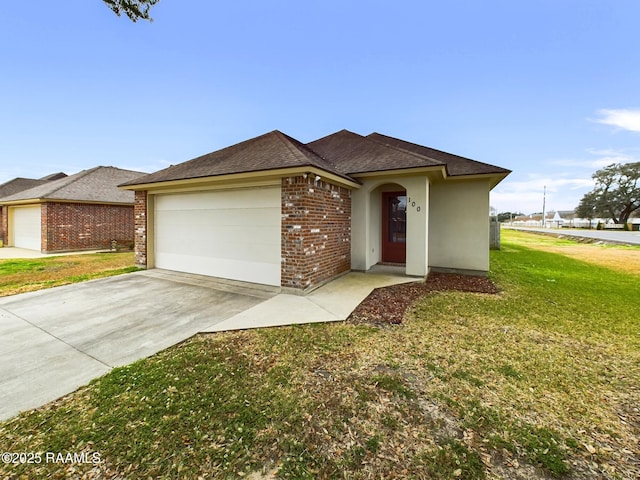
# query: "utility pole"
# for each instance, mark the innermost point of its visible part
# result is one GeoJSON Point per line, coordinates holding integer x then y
{"type": "Point", "coordinates": [544, 207]}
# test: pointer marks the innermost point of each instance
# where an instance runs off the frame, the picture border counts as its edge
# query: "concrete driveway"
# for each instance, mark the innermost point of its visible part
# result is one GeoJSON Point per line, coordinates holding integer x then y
{"type": "Point", "coordinates": [53, 341]}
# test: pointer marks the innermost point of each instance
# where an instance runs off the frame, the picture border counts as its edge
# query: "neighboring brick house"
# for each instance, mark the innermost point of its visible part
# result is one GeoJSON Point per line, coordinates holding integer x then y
{"type": "Point", "coordinates": [20, 184]}
{"type": "Point", "coordinates": [84, 211]}
{"type": "Point", "coordinates": [275, 211]}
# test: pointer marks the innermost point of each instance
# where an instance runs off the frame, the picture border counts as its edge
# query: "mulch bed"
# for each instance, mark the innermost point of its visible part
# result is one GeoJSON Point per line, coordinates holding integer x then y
{"type": "Point", "coordinates": [388, 305]}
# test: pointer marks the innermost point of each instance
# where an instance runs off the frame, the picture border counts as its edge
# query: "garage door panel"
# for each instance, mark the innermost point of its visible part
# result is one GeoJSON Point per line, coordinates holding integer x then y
{"type": "Point", "coordinates": [216, 218]}
{"type": "Point", "coordinates": [228, 234]}
{"type": "Point", "coordinates": [247, 248]}
{"type": "Point", "coordinates": [231, 199]}
{"type": "Point", "coordinates": [25, 228]}
{"type": "Point", "coordinates": [263, 273]}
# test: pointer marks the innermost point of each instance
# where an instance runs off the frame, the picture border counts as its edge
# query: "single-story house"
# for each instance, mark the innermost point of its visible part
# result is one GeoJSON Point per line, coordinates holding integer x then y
{"type": "Point", "coordinates": [20, 184]}
{"type": "Point", "coordinates": [275, 211]}
{"type": "Point", "coordinates": [84, 211]}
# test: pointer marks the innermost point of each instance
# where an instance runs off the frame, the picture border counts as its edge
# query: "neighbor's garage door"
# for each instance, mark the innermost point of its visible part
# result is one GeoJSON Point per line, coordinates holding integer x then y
{"type": "Point", "coordinates": [231, 234]}
{"type": "Point", "coordinates": [24, 228]}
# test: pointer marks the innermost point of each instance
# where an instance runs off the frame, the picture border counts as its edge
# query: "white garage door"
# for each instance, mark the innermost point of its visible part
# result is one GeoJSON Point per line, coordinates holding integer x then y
{"type": "Point", "coordinates": [25, 227]}
{"type": "Point", "coordinates": [231, 234]}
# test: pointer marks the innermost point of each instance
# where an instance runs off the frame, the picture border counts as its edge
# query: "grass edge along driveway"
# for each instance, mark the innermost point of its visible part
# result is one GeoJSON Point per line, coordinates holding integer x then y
{"type": "Point", "coordinates": [29, 274]}
{"type": "Point", "coordinates": [540, 381]}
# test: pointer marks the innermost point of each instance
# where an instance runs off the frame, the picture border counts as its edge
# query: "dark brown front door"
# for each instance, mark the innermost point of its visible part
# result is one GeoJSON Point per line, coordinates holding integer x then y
{"type": "Point", "coordinates": [394, 227]}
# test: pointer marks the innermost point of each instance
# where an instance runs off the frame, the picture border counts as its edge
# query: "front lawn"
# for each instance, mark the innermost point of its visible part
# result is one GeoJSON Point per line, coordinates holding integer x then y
{"type": "Point", "coordinates": [28, 274]}
{"type": "Point", "coordinates": [539, 381]}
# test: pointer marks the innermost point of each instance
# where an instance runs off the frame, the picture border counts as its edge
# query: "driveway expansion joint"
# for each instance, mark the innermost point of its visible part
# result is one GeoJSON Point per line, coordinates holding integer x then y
{"type": "Point", "coordinates": [57, 338]}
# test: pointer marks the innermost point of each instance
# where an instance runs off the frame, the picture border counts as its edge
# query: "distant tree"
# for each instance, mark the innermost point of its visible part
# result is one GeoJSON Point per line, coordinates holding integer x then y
{"type": "Point", "coordinates": [134, 9]}
{"type": "Point", "coordinates": [507, 216]}
{"type": "Point", "coordinates": [587, 207]}
{"type": "Point", "coordinates": [616, 195]}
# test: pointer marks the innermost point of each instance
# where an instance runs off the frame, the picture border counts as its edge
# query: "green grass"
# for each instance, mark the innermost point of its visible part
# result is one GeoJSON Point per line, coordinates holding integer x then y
{"type": "Point", "coordinates": [566, 295]}
{"type": "Point", "coordinates": [542, 379]}
{"type": "Point", "coordinates": [25, 275]}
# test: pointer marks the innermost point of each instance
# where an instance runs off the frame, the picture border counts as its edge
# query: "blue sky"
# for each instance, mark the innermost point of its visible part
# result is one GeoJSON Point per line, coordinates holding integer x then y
{"type": "Point", "coordinates": [546, 88]}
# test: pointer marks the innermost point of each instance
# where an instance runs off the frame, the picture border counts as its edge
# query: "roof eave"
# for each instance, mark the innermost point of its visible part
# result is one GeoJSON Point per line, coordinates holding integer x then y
{"type": "Point", "coordinates": [34, 201]}
{"type": "Point", "coordinates": [494, 177]}
{"type": "Point", "coordinates": [258, 177]}
{"type": "Point", "coordinates": [23, 201]}
{"type": "Point", "coordinates": [402, 171]}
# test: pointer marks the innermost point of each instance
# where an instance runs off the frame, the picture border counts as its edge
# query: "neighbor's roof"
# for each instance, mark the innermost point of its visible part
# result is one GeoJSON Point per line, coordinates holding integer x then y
{"type": "Point", "coordinates": [54, 176]}
{"type": "Point", "coordinates": [18, 185]}
{"type": "Point", "coordinates": [343, 153]}
{"type": "Point", "coordinates": [270, 151]}
{"type": "Point", "coordinates": [98, 184]}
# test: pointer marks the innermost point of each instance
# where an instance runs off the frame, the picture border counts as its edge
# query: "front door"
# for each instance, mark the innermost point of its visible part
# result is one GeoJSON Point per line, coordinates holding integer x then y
{"type": "Point", "coordinates": [394, 227]}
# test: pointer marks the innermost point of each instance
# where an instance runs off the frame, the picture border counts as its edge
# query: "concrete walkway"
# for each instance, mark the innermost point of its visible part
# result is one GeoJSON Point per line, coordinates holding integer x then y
{"type": "Point", "coordinates": [332, 302]}
{"type": "Point", "coordinates": [54, 341]}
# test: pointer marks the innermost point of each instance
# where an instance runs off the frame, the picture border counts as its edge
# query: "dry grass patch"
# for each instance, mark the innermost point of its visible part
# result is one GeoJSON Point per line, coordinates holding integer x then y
{"type": "Point", "coordinates": [618, 257]}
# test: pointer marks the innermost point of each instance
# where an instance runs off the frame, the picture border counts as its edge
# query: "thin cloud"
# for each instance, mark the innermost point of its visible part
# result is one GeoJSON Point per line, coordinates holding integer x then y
{"type": "Point", "coordinates": [602, 158]}
{"type": "Point", "coordinates": [563, 192]}
{"type": "Point", "coordinates": [625, 119]}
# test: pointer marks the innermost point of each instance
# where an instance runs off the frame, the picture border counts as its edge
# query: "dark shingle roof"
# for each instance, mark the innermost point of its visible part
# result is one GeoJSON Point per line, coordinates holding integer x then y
{"type": "Point", "coordinates": [18, 185]}
{"type": "Point", "coordinates": [353, 153]}
{"type": "Point", "coordinates": [99, 184]}
{"type": "Point", "coordinates": [343, 153]}
{"type": "Point", "coordinates": [270, 151]}
{"type": "Point", "coordinates": [455, 164]}
{"type": "Point", "coordinates": [54, 176]}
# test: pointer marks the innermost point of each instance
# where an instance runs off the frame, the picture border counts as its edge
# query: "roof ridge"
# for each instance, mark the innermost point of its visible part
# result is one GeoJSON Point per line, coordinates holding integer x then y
{"type": "Point", "coordinates": [404, 150]}
{"type": "Point", "coordinates": [287, 141]}
{"type": "Point", "coordinates": [69, 179]}
{"type": "Point", "coordinates": [300, 147]}
{"type": "Point", "coordinates": [342, 131]}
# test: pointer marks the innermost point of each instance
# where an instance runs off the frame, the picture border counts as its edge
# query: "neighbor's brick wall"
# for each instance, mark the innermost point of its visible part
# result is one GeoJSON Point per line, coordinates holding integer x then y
{"type": "Point", "coordinates": [140, 228]}
{"type": "Point", "coordinates": [4, 224]}
{"type": "Point", "coordinates": [82, 226]}
{"type": "Point", "coordinates": [316, 231]}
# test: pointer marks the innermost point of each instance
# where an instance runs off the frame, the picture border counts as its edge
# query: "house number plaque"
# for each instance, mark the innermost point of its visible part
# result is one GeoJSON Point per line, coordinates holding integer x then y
{"type": "Point", "coordinates": [413, 204]}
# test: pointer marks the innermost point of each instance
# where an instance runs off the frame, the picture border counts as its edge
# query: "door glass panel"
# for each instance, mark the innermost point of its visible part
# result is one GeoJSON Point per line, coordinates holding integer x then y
{"type": "Point", "coordinates": [397, 208]}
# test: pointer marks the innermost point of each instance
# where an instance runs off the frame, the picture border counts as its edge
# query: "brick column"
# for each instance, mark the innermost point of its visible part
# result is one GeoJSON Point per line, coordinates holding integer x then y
{"type": "Point", "coordinates": [4, 225]}
{"type": "Point", "coordinates": [140, 226]}
{"type": "Point", "coordinates": [316, 231]}
{"type": "Point", "coordinates": [44, 228]}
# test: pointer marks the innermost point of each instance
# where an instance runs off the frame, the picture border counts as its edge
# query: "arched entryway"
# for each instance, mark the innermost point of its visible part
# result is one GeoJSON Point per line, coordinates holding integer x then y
{"type": "Point", "coordinates": [394, 227]}
{"type": "Point", "coordinates": [390, 213]}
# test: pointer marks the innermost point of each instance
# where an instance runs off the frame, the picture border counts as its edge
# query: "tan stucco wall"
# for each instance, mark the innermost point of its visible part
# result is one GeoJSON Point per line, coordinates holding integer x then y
{"type": "Point", "coordinates": [366, 228]}
{"type": "Point", "coordinates": [459, 226]}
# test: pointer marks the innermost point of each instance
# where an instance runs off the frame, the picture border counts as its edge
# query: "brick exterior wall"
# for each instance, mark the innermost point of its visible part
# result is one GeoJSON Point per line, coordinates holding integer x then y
{"type": "Point", "coordinates": [316, 232]}
{"type": "Point", "coordinates": [140, 227]}
{"type": "Point", "coordinates": [4, 225]}
{"type": "Point", "coordinates": [83, 226]}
